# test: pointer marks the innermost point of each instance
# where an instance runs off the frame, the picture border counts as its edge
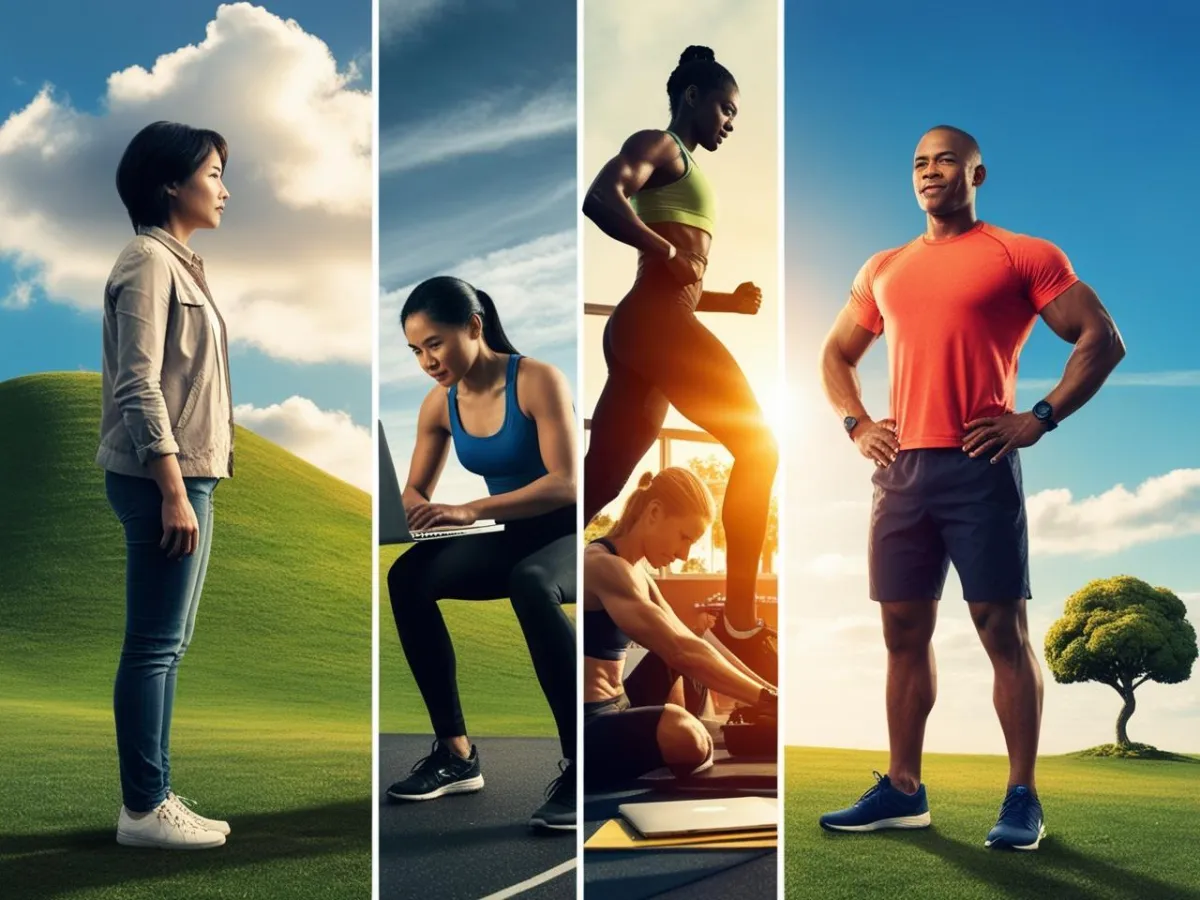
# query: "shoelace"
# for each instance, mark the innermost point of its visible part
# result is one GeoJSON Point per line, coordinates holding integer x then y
{"type": "Point", "coordinates": [873, 789]}
{"type": "Point", "coordinates": [561, 782]}
{"type": "Point", "coordinates": [430, 761]}
{"type": "Point", "coordinates": [1017, 804]}
{"type": "Point", "coordinates": [174, 816]}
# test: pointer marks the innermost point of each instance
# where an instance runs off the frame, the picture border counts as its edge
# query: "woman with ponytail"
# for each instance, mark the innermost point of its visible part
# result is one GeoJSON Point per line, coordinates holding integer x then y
{"type": "Point", "coordinates": [635, 725]}
{"type": "Point", "coordinates": [654, 197]}
{"type": "Point", "coordinates": [511, 420]}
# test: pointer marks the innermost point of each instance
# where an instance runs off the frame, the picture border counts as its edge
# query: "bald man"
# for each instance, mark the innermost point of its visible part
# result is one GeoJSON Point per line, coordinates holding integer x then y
{"type": "Point", "coordinates": [957, 304]}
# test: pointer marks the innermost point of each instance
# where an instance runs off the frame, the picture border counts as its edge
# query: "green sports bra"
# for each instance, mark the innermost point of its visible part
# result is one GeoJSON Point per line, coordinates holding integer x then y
{"type": "Point", "coordinates": [688, 200]}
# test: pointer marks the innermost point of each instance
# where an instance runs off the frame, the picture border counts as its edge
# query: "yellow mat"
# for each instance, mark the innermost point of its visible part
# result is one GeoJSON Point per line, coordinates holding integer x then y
{"type": "Point", "coordinates": [617, 834]}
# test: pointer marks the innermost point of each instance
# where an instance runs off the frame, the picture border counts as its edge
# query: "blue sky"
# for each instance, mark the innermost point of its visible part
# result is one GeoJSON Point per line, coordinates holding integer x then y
{"type": "Point", "coordinates": [1082, 124]}
{"type": "Point", "coordinates": [477, 159]}
{"type": "Point", "coordinates": [75, 49]}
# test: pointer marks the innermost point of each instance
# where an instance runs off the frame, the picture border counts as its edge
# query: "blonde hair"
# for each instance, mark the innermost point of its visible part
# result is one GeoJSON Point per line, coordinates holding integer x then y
{"type": "Point", "coordinates": [679, 491]}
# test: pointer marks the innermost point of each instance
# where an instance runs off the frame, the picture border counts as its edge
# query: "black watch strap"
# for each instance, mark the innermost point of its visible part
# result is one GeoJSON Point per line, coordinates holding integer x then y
{"type": "Point", "coordinates": [1044, 413]}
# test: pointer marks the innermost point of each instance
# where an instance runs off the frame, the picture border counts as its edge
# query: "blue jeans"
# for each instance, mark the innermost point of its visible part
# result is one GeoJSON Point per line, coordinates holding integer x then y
{"type": "Point", "coordinates": [161, 598]}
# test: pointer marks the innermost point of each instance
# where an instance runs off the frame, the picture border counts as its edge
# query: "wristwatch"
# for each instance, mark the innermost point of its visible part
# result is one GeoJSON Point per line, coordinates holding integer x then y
{"type": "Point", "coordinates": [768, 697]}
{"type": "Point", "coordinates": [850, 423]}
{"type": "Point", "coordinates": [1044, 413]}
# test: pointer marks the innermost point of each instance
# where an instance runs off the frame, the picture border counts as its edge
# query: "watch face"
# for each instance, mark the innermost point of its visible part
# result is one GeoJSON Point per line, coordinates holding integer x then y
{"type": "Point", "coordinates": [1042, 409]}
{"type": "Point", "coordinates": [850, 423]}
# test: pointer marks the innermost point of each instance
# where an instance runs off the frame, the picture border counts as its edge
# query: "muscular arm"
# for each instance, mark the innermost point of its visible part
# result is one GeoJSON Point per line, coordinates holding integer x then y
{"type": "Point", "coordinates": [718, 301]}
{"type": "Point", "coordinates": [1078, 317]}
{"type": "Point", "coordinates": [430, 452]}
{"type": "Point", "coordinates": [607, 200]}
{"type": "Point", "coordinates": [549, 404]}
{"type": "Point", "coordinates": [845, 345]}
{"type": "Point", "coordinates": [627, 599]}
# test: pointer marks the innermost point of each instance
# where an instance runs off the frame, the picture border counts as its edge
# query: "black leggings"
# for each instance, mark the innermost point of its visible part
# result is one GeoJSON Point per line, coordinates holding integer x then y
{"type": "Point", "coordinates": [533, 563]}
{"type": "Point", "coordinates": [658, 353]}
{"type": "Point", "coordinates": [620, 736]}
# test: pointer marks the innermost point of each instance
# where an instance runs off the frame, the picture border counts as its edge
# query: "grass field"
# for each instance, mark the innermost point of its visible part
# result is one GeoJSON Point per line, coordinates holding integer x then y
{"type": "Point", "coordinates": [1116, 830]}
{"type": "Point", "coordinates": [272, 726]}
{"type": "Point", "coordinates": [496, 682]}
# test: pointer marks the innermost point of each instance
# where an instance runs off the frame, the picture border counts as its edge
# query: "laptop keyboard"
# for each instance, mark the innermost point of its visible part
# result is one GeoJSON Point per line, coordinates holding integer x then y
{"type": "Point", "coordinates": [450, 532]}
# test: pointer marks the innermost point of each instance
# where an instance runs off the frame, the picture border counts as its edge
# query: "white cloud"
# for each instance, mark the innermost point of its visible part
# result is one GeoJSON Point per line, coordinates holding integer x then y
{"type": "Point", "coordinates": [1177, 378]}
{"type": "Point", "coordinates": [20, 295]}
{"type": "Point", "coordinates": [534, 288]}
{"type": "Point", "coordinates": [328, 439]}
{"type": "Point", "coordinates": [291, 265]}
{"type": "Point", "coordinates": [1162, 507]}
{"type": "Point", "coordinates": [399, 18]}
{"type": "Point", "coordinates": [480, 126]}
{"type": "Point", "coordinates": [835, 565]}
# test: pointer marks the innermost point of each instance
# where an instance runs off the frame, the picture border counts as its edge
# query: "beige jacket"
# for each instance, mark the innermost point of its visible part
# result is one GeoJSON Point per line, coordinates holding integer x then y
{"type": "Point", "coordinates": [166, 375]}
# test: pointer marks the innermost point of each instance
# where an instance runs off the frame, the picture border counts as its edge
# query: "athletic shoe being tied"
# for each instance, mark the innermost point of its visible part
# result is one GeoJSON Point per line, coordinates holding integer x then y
{"type": "Point", "coordinates": [558, 812]}
{"type": "Point", "coordinates": [441, 772]}
{"type": "Point", "coordinates": [760, 651]}
{"type": "Point", "coordinates": [1020, 826]}
{"type": "Point", "coordinates": [165, 828]}
{"type": "Point", "coordinates": [882, 806]}
{"type": "Point", "coordinates": [185, 806]}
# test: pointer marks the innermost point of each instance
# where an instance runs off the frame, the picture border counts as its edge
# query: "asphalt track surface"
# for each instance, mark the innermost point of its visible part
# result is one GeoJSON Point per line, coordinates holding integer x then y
{"type": "Point", "coordinates": [470, 846]}
{"type": "Point", "coordinates": [681, 874]}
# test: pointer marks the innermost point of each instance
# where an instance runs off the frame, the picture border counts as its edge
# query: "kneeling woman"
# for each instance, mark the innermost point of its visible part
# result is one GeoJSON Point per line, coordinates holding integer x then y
{"type": "Point", "coordinates": [632, 727]}
{"type": "Point", "coordinates": [511, 420]}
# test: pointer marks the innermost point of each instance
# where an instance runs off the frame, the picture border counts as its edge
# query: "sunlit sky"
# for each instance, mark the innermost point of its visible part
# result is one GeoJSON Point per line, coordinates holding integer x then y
{"type": "Point", "coordinates": [288, 84]}
{"type": "Point", "coordinates": [1073, 136]}
{"type": "Point", "coordinates": [630, 49]}
{"type": "Point", "coordinates": [477, 114]}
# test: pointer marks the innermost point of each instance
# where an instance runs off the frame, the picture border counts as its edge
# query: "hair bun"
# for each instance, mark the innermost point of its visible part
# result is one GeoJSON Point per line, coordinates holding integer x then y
{"type": "Point", "coordinates": [644, 481]}
{"type": "Point", "coordinates": [697, 53]}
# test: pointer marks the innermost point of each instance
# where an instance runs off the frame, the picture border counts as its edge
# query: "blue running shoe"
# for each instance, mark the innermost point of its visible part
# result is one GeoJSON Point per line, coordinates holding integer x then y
{"type": "Point", "coordinates": [883, 806]}
{"type": "Point", "coordinates": [1020, 826]}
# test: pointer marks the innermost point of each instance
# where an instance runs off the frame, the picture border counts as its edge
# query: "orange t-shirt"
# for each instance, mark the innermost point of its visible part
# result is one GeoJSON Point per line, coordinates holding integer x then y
{"type": "Point", "coordinates": [957, 313]}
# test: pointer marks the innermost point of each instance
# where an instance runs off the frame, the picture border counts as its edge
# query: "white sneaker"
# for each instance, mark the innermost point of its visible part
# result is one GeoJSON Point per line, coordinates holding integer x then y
{"type": "Point", "coordinates": [207, 824]}
{"type": "Point", "coordinates": [166, 828]}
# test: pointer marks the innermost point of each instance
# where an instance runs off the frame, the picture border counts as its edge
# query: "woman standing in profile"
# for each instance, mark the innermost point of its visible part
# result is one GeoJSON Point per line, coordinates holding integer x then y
{"type": "Point", "coordinates": [166, 440]}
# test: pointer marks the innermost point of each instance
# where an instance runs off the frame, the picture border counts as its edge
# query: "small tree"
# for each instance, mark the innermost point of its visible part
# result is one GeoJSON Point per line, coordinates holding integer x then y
{"type": "Point", "coordinates": [693, 565]}
{"type": "Point", "coordinates": [598, 527]}
{"type": "Point", "coordinates": [1122, 632]}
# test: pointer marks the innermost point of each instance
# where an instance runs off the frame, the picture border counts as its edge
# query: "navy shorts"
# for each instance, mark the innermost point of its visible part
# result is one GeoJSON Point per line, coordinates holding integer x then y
{"type": "Point", "coordinates": [939, 506]}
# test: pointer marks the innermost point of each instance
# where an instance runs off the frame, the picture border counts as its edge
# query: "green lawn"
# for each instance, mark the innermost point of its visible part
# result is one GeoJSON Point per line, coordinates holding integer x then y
{"type": "Point", "coordinates": [272, 726]}
{"type": "Point", "coordinates": [496, 682]}
{"type": "Point", "coordinates": [1115, 829]}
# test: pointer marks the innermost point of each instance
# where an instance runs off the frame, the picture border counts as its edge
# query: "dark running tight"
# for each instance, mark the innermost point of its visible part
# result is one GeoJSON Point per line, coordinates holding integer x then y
{"type": "Point", "coordinates": [533, 563]}
{"type": "Point", "coordinates": [659, 354]}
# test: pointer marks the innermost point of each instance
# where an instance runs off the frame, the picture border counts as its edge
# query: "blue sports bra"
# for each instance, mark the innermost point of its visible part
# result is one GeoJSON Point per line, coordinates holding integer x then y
{"type": "Point", "coordinates": [509, 459]}
{"type": "Point", "coordinates": [602, 638]}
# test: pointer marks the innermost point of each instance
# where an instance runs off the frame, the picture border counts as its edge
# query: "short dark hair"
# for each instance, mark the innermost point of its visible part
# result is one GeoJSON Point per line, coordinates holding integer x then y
{"type": "Point", "coordinates": [160, 155]}
{"type": "Point", "coordinates": [972, 144]}
{"type": "Point", "coordinates": [697, 65]}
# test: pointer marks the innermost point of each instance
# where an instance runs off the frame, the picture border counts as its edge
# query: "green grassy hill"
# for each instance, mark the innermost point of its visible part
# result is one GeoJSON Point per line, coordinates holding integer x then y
{"type": "Point", "coordinates": [1116, 830]}
{"type": "Point", "coordinates": [273, 709]}
{"type": "Point", "coordinates": [496, 682]}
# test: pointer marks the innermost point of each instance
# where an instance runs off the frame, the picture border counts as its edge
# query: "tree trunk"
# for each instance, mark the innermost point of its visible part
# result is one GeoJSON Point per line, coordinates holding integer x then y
{"type": "Point", "coordinates": [1123, 718]}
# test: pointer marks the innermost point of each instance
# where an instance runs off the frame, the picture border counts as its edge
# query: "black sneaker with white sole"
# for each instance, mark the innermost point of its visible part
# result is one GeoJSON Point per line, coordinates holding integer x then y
{"type": "Point", "coordinates": [441, 772]}
{"type": "Point", "coordinates": [558, 812]}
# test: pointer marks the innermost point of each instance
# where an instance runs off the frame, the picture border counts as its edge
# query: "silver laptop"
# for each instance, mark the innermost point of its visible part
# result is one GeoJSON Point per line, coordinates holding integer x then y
{"type": "Point", "coordinates": [393, 521]}
{"type": "Point", "coordinates": [679, 817]}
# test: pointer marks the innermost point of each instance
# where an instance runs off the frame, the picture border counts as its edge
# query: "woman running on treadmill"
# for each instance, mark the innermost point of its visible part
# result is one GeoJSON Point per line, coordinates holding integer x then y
{"type": "Point", "coordinates": [636, 725]}
{"type": "Point", "coordinates": [511, 420]}
{"type": "Point", "coordinates": [655, 198]}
